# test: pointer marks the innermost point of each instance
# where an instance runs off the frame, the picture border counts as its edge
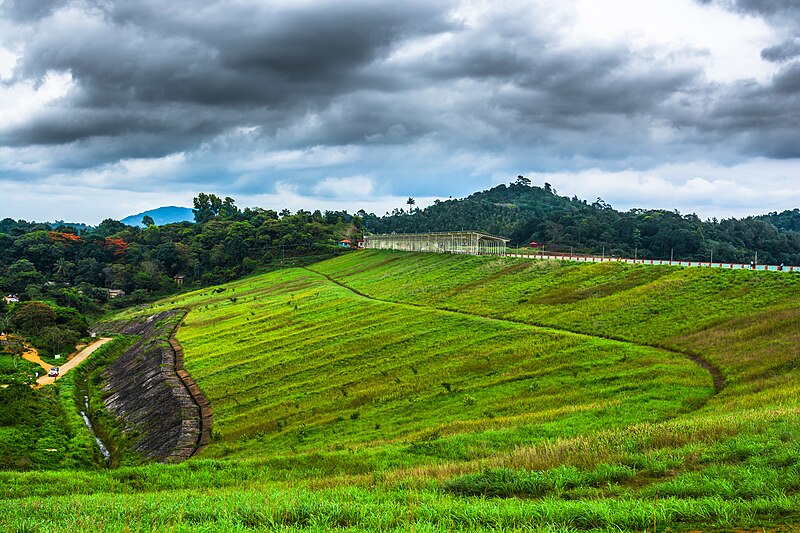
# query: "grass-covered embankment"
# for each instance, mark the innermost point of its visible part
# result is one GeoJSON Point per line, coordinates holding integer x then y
{"type": "Point", "coordinates": [470, 393]}
{"type": "Point", "coordinates": [294, 362]}
{"type": "Point", "coordinates": [743, 322]}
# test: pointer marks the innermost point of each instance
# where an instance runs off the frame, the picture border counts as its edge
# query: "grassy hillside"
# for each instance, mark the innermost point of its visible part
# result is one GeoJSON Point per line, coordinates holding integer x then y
{"type": "Point", "coordinates": [744, 322]}
{"type": "Point", "coordinates": [291, 361]}
{"type": "Point", "coordinates": [382, 391]}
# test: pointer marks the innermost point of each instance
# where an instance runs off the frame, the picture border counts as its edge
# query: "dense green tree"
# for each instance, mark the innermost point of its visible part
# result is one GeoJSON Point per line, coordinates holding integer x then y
{"type": "Point", "coordinates": [20, 275]}
{"type": "Point", "coordinates": [108, 227]}
{"type": "Point", "coordinates": [175, 257]}
{"type": "Point", "coordinates": [209, 206]}
{"type": "Point", "coordinates": [30, 317]}
{"type": "Point", "coordinates": [74, 298]}
{"type": "Point", "coordinates": [523, 181]}
{"type": "Point", "coordinates": [56, 338]}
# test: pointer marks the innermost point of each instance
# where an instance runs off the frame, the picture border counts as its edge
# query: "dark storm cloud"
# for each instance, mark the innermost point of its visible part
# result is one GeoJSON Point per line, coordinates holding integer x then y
{"type": "Point", "coordinates": [781, 52]}
{"type": "Point", "coordinates": [600, 83]}
{"type": "Point", "coordinates": [65, 126]}
{"type": "Point", "coordinates": [154, 78]}
{"type": "Point", "coordinates": [192, 57]}
{"type": "Point", "coordinates": [148, 67]}
{"type": "Point", "coordinates": [768, 8]}
{"type": "Point", "coordinates": [27, 10]}
{"type": "Point", "coordinates": [755, 118]}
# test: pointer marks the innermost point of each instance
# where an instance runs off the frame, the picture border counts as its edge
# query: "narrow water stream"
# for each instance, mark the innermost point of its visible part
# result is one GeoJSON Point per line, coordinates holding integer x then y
{"type": "Point", "coordinates": [103, 449]}
{"type": "Point", "coordinates": [110, 459]}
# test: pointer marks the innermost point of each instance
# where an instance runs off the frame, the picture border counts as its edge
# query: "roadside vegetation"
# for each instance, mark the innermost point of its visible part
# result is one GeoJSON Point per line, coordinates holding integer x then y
{"type": "Point", "coordinates": [397, 391]}
{"type": "Point", "coordinates": [82, 388]}
{"type": "Point", "coordinates": [41, 430]}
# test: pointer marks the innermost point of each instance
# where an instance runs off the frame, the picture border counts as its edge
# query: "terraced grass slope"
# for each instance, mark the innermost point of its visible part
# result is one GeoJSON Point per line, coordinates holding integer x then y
{"type": "Point", "coordinates": [745, 323]}
{"type": "Point", "coordinates": [382, 391]}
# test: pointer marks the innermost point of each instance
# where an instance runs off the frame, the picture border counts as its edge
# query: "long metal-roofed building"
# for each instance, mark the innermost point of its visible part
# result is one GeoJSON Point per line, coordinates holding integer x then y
{"type": "Point", "coordinates": [448, 242]}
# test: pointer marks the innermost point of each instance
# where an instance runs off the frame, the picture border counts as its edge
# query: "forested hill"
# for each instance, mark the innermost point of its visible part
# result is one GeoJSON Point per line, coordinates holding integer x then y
{"type": "Point", "coordinates": [526, 213]}
{"type": "Point", "coordinates": [785, 221]}
{"type": "Point", "coordinates": [160, 216]}
{"type": "Point", "coordinates": [77, 268]}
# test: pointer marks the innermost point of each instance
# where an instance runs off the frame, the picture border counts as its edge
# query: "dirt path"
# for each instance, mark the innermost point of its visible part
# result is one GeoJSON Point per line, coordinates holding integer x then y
{"type": "Point", "coordinates": [32, 355]}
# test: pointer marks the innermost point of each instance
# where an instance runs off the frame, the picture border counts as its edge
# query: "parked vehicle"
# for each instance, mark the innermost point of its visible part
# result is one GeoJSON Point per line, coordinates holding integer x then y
{"type": "Point", "coordinates": [53, 372]}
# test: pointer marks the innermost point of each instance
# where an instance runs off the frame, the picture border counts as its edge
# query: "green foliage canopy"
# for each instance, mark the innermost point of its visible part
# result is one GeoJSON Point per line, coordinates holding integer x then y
{"type": "Point", "coordinates": [30, 317]}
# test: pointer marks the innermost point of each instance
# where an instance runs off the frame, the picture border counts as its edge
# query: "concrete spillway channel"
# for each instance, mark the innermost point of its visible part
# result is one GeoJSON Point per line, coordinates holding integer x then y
{"type": "Point", "coordinates": [160, 408]}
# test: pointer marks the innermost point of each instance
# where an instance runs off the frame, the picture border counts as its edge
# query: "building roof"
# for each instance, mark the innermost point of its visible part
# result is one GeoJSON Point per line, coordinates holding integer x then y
{"type": "Point", "coordinates": [463, 233]}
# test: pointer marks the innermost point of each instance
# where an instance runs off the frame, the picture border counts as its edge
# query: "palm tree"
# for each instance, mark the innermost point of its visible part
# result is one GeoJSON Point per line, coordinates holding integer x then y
{"type": "Point", "coordinates": [62, 265]}
{"type": "Point", "coordinates": [410, 203]}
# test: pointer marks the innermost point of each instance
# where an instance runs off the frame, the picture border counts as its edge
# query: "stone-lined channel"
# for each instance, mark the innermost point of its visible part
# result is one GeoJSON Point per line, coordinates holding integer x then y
{"type": "Point", "coordinates": [165, 416]}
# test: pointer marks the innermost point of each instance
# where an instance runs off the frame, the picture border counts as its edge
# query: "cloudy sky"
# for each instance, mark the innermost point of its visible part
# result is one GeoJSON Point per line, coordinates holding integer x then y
{"type": "Point", "coordinates": [111, 107]}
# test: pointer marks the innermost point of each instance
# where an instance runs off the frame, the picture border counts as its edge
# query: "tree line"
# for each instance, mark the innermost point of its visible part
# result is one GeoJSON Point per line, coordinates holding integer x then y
{"type": "Point", "coordinates": [525, 213]}
{"type": "Point", "coordinates": [72, 268]}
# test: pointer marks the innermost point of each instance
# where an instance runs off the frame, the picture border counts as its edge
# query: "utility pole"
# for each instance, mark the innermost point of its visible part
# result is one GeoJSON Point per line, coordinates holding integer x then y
{"type": "Point", "coordinates": [711, 261]}
{"type": "Point", "coordinates": [671, 254]}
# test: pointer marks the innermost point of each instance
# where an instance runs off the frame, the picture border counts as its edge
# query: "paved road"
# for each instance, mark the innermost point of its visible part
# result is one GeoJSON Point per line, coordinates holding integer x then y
{"type": "Point", "coordinates": [32, 355]}
{"type": "Point", "coordinates": [605, 259]}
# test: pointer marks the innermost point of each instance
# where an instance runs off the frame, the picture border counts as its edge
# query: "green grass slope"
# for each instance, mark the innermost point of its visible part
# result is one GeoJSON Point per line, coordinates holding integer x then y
{"type": "Point", "coordinates": [293, 362]}
{"type": "Point", "coordinates": [390, 391]}
{"type": "Point", "coordinates": [743, 322]}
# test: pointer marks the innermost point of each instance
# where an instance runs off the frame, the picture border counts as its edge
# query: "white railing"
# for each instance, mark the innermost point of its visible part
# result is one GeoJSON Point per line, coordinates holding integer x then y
{"type": "Point", "coordinates": [594, 259]}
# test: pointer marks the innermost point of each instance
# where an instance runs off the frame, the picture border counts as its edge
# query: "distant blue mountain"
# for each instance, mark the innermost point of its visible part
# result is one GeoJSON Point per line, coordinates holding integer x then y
{"type": "Point", "coordinates": [161, 215]}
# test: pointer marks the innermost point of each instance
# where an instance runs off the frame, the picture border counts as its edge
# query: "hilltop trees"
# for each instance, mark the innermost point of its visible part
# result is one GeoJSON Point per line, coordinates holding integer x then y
{"type": "Point", "coordinates": [209, 206]}
{"type": "Point", "coordinates": [522, 181]}
{"type": "Point", "coordinates": [76, 268]}
{"type": "Point", "coordinates": [526, 213]}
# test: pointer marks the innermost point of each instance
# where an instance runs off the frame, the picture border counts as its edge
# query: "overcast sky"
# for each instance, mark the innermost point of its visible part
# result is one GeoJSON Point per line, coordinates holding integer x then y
{"type": "Point", "coordinates": [111, 107]}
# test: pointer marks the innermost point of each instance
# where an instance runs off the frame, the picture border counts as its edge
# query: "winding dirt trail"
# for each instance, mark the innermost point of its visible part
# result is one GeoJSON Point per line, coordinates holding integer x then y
{"type": "Point", "coordinates": [32, 355]}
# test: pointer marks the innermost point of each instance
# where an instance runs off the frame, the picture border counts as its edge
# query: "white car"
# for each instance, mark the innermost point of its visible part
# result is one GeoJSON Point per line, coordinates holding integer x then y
{"type": "Point", "coordinates": [53, 372]}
